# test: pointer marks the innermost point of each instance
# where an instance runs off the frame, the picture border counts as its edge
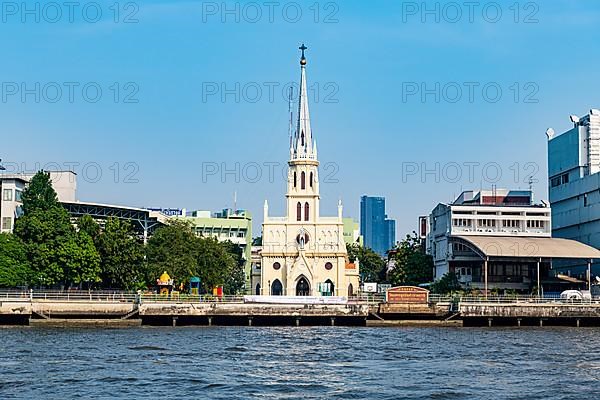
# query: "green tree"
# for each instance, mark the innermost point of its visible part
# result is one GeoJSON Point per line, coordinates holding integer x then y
{"type": "Point", "coordinates": [412, 265]}
{"type": "Point", "coordinates": [14, 267]}
{"type": "Point", "coordinates": [56, 253]}
{"type": "Point", "coordinates": [235, 275]}
{"type": "Point", "coordinates": [122, 256]}
{"type": "Point", "coordinates": [173, 248]}
{"type": "Point", "coordinates": [46, 233]}
{"type": "Point", "coordinates": [80, 260]}
{"type": "Point", "coordinates": [89, 225]}
{"type": "Point", "coordinates": [371, 265]}
{"type": "Point", "coordinates": [39, 194]}
{"type": "Point", "coordinates": [446, 284]}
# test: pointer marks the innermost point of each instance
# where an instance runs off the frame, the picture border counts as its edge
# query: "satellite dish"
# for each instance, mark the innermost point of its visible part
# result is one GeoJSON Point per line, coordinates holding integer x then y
{"type": "Point", "coordinates": [574, 119]}
{"type": "Point", "coordinates": [550, 133]}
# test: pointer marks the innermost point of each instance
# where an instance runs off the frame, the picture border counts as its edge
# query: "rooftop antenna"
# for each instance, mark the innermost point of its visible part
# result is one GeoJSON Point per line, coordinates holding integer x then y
{"type": "Point", "coordinates": [2, 166]}
{"type": "Point", "coordinates": [235, 202]}
{"type": "Point", "coordinates": [530, 182]}
{"type": "Point", "coordinates": [291, 125]}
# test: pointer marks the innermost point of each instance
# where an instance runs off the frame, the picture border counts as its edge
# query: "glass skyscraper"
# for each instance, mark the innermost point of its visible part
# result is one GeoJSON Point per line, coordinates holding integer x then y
{"type": "Point", "coordinates": [379, 232]}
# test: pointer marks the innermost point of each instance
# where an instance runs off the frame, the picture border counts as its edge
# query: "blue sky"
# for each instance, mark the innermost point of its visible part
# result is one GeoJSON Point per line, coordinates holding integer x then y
{"type": "Point", "coordinates": [396, 88]}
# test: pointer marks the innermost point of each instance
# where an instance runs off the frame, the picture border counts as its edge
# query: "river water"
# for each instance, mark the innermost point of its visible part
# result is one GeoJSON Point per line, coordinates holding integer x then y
{"type": "Point", "coordinates": [299, 363]}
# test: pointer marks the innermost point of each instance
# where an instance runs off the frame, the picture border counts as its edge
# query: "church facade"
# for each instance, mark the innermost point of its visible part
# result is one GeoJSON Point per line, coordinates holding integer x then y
{"type": "Point", "coordinates": [303, 253]}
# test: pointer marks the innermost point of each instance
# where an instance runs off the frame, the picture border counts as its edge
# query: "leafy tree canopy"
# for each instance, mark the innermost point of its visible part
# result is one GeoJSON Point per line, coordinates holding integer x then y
{"type": "Point", "coordinates": [411, 265]}
{"type": "Point", "coordinates": [14, 267]}
{"type": "Point", "coordinates": [371, 265]}
{"type": "Point", "coordinates": [122, 256]}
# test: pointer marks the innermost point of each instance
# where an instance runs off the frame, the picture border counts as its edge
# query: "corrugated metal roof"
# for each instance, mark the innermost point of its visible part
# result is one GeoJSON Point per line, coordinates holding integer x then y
{"type": "Point", "coordinates": [524, 247]}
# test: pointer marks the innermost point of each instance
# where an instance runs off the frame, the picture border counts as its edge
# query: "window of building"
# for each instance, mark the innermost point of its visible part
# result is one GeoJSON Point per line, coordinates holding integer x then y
{"type": "Point", "coordinates": [295, 178]}
{"type": "Point", "coordinates": [306, 211]}
{"type": "Point", "coordinates": [585, 200]}
{"type": "Point", "coordinates": [536, 224]}
{"type": "Point", "coordinates": [559, 180]}
{"type": "Point", "coordinates": [461, 222]}
{"type": "Point", "coordinates": [328, 266]}
{"type": "Point", "coordinates": [511, 223]}
{"type": "Point", "coordinates": [241, 234]}
{"type": "Point", "coordinates": [7, 223]}
{"type": "Point", "coordinates": [276, 266]}
{"type": "Point", "coordinates": [487, 223]}
{"type": "Point", "coordinates": [7, 195]}
{"type": "Point", "coordinates": [18, 195]}
{"type": "Point", "coordinates": [303, 180]}
{"type": "Point", "coordinates": [311, 179]}
{"type": "Point", "coordinates": [298, 212]}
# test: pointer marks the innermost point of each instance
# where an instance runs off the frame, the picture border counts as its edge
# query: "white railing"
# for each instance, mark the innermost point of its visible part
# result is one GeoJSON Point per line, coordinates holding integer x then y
{"type": "Point", "coordinates": [115, 296]}
{"type": "Point", "coordinates": [524, 300]}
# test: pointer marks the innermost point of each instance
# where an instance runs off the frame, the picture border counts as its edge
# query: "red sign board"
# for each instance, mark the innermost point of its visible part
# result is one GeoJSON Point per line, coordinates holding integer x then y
{"type": "Point", "coordinates": [407, 295]}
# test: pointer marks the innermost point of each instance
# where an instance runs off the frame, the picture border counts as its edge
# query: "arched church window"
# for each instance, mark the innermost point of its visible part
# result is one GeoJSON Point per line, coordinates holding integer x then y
{"type": "Point", "coordinates": [311, 179]}
{"type": "Point", "coordinates": [303, 180]}
{"type": "Point", "coordinates": [295, 178]}
{"type": "Point", "coordinates": [276, 288]}
{"type": "Point", "coordinates": [298, 212]}
{"type": "Point", "coordinates": [306, 211]}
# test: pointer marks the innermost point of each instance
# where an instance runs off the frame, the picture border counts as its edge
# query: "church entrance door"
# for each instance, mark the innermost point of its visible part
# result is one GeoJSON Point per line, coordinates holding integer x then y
{"type": "Point", "coordinates": [302, 287]}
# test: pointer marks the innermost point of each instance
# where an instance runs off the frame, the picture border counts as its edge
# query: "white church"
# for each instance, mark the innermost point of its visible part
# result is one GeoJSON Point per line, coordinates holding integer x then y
{"type": "Point", "coordinates": [303, 253]}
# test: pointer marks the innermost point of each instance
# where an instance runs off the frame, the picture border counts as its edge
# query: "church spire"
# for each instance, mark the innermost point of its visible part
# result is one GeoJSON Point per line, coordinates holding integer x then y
{"type": "Point", "coordinates": [303, 142]}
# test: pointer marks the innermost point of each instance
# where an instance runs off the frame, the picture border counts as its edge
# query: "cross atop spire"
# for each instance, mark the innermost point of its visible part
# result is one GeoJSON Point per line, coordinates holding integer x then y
{"type": "Point", "coordinates": [303, 145]}
{"type": "Point", "coordinates": [303, 58]}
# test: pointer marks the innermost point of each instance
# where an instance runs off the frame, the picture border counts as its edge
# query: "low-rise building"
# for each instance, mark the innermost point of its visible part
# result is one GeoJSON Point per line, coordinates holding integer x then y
{"type": "Point", "coordinates": [12, 186]}
{"type": "Point", "coordinates": [351, 231]}
{"type": "Point", "coordinates": [491, 219]}
{"type": "Point", "coordinates": [227, 225]}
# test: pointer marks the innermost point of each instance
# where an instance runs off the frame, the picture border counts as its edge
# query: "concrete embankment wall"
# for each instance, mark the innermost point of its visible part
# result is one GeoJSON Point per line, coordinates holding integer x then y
{"type": "Point", "coordinates": [530, 314]}
{"type": "Point", "coordinates": [252, 314]}
{"type": "Point", "coordinates": [92, 313]}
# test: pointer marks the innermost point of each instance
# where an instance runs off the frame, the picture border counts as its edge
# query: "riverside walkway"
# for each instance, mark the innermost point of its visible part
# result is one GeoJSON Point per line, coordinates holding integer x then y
{"type": "Point", "coordinates": [125, 309]}
{"type": "Point", "coordinates": [50, 308]}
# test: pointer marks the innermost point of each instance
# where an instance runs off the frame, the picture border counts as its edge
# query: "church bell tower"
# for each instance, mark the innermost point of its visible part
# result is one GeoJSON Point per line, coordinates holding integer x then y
{"type": "Point", "coordinates": [303, 171]}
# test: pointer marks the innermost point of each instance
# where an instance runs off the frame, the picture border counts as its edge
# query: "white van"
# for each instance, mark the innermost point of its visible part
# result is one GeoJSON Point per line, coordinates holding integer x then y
{"type": "Point", "coordinates": [576, 295]}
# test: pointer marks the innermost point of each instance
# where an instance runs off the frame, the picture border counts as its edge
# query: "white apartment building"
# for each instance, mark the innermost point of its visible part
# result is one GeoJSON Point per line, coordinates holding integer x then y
{"type": "Point", "coordinates": [12, 186]}
{"type": "Point", "coordinates": [486, 219]}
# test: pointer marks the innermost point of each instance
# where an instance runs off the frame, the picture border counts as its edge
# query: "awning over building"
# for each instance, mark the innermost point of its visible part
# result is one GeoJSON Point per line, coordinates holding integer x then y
{"type": "Point", "coordinates": [527, 247]}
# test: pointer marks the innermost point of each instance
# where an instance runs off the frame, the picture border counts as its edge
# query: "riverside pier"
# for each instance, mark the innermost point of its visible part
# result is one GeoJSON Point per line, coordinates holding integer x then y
{"type": "Point", "coordinates": [130, 309]}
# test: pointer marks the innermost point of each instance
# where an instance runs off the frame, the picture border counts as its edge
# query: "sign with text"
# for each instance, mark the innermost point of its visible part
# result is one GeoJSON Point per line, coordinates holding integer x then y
{"type": "Point", "coordinates": [407, 294]}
